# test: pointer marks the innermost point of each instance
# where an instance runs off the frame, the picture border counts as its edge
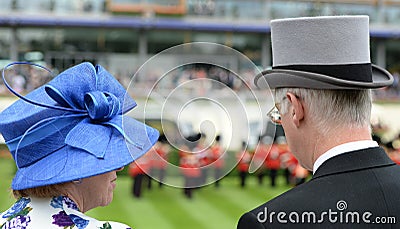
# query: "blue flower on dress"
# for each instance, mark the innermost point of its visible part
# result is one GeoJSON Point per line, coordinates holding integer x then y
{"type": "Point", "coordinates": [57, 202]}
{"type": "Point", "coordinates": [17, 207]}
{"type": "Point", "coordinates": [19, 222]}
{"type": "Point", "coordinates": [79, 222]}
{"type": "Point", "coordinates": [70, 203]}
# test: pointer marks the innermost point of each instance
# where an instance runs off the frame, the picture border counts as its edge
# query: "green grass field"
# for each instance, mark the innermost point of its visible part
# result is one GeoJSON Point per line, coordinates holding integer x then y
{"type": "Point", "coordinates": [168, 208]}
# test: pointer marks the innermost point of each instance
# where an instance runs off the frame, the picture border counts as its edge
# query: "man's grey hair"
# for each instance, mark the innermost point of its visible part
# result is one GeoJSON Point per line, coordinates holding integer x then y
{"type": "Point", "coordinates": [331, 108]}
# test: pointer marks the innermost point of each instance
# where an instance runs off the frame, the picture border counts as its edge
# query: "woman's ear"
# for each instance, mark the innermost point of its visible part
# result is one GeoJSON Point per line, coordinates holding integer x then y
{"type": "Point", "coordinates": [297, 111]}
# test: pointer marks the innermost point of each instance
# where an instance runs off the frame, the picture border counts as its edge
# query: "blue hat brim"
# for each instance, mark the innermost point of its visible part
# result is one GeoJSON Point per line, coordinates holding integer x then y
{"type": "Point", "coordinates": [69, 163]}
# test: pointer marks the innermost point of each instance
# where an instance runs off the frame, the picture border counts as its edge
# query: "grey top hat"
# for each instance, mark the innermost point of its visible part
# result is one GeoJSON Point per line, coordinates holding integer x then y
{"type": "Point", "coordinates": [328, 52]}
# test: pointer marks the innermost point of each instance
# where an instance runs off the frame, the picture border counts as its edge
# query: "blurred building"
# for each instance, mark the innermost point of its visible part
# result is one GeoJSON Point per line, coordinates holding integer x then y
{"type": "Point", "coordinates": [121, 35]}
{"type": "Point", "coordinates": [113, 31]}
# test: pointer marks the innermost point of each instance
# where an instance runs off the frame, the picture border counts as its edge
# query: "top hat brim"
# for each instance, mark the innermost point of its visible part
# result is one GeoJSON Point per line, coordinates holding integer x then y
{"type": "Point", "coordinates": [284, 78]}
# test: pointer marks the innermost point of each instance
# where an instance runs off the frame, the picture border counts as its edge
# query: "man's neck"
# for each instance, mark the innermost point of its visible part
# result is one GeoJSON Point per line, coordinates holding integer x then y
{"type": "Point", "coordinates": [338, 137]}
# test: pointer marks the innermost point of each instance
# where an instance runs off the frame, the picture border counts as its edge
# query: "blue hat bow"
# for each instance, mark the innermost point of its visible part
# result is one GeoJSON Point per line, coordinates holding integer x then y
{"type": "Point", "coordinates": [93, 105]}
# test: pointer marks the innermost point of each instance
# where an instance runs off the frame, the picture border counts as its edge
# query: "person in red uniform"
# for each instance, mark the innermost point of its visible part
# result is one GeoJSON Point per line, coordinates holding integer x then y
{"type": "Point", "coordinates": [138, 171]}
{"type": "Point", "coordinates": [273, 163]}
{"type": "Point", "coordinates": [300, 174]}
{"type": "Point", "coordinates": [260, 156]}
{"type": "Point", "coordinates": [244, 158]}
{"type": "Point", "coordinates": [218, 162]}
{"type": "Point", "coordinates": [284, 156]}
{"type": "Point", "coordinates": [204, 157]}
{"type": "Point", "coordinates": [190, 168]}
{"type": "Point", "coordinates": [290, 163]}
{"type": "Point", "coordinates": [161, 159]}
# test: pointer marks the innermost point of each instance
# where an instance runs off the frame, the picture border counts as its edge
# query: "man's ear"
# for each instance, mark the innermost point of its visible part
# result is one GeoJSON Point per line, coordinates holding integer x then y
{"type": "Point", "coordinates": [297, 111]}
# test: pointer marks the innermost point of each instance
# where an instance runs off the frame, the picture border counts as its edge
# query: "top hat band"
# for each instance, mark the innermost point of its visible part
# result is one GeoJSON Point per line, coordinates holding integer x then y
{"type": "Point", "coordinates": [351, 72]}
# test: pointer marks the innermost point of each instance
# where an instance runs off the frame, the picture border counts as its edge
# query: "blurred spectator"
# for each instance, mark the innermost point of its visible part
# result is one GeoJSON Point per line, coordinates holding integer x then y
{"type": "Point", "coordinates": [261, 155]}
{"type": "Point", "coordinates": [138, 170]}
{"type": "Point", "coordinates": [291, 163]}
{"type": "Point", "coordinates": [273, 163]}
{"type": "Point", "coordinates": [300, 174]}
{"type": "Point", "coordinates": [217, 153]}
{"type": "Point", "coordinates": [190, 168]}
{"type": "Point", "coordinates": [393, 149]}
{"type": "Point", "coordinates": [204, 7]}
{"type": "Point", "coordinates": [87, 6]}
{"type": "Point", "coordinates": [160, 163]}
{"type": "Point", "coordinates": [244, 159]}
{"type": "Point", "coordinates": [286, 158]}
{"type": "Point", "coordinates": [17, 81]}
{"type": "Point", "coordinates": [204, 157]}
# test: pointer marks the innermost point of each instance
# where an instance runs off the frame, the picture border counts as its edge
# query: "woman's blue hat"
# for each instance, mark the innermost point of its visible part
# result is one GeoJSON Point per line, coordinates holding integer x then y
{"type": "Point", "coordinates": [72, 128]}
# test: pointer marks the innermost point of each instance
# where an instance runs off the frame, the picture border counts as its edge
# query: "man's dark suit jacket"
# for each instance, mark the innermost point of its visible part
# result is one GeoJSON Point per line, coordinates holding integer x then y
{"type": "Point", "coordinates": [363, 184]}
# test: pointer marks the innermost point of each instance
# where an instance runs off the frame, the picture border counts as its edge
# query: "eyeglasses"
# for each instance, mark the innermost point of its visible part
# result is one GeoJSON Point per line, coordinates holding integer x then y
{"type": "Point", "coordinates": [275, 116]}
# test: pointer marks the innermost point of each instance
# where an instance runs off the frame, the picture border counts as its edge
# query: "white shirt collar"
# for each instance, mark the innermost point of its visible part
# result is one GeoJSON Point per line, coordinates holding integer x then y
{"type": "Point", "coordinates": [343, 148]}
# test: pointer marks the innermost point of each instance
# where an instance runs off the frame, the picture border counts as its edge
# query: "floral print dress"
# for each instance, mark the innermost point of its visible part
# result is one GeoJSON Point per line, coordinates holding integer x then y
{"type": "Point", "coordinates": [58, 212]}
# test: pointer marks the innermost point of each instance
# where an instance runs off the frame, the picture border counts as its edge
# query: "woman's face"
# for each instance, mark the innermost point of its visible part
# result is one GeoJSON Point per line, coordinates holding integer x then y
{"type": "Point", "coordinates": [97, 190]}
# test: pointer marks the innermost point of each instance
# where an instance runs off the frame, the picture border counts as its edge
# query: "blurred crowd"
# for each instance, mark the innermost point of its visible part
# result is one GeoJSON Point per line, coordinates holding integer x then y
{"type": "Point", "coordinates": [389, 93]}
{"type": "Point", "coordinates": [196, 163]}
{"type": "Point", "coordinates": [26, 78]}
{"type": "Point", "coordinates": [391, 146]}
{"type": "Point", "coordinates": [200, 78]}
{"type": "Point", "coordinates": [272, 157]}
{"type": "Point", "coordinates": [201, 165]}
{"type": "Point", "coordinates": [203, 8]}
{"type": "Point", "coordinates": [203, 78]}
